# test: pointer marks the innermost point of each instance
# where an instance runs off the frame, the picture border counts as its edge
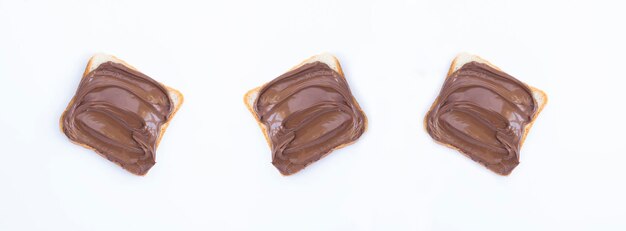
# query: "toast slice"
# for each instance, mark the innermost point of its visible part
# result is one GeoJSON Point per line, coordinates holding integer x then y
{"type": "Point", "coordinates": [461, 59]}
{"type": "Point", "coordinates": [540, 96]}
{"type": "Point", "coordinates": [176, 98]}
{"type": "Point", "coordinates": [251, 96]}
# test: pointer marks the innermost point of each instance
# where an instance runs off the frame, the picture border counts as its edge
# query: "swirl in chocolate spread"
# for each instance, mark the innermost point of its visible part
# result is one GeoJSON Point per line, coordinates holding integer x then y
{"type": "Point", "coordinates": [119, 112]}
{"type": "Point", "coordinates": [308, 112]}
{"type": "Point", "coordinates": [483, 112]}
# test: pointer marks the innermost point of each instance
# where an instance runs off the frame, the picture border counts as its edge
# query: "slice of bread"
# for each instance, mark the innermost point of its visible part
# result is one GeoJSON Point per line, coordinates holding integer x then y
{"type": "Point", "coordinates": [251, 96]}
{"type": "Point", "coordinates": [175, 96]}
{"type": "Point", "coordinates": [461, 59]}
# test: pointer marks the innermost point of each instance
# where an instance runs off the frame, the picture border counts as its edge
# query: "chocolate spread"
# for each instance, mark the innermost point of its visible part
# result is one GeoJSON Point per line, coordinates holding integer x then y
{"type": "Point", "coordinates": [308, 112]}
{"type": "Point", "coordinates": [482, 112]}
{"type": "Point", "coordinates": [119, 112]}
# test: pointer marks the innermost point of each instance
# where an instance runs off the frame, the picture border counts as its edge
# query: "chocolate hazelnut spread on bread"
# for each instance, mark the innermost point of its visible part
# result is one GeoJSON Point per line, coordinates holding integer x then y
{"type": "Point", "coordinates": [483, 112]}
{"type": "Point", "coordinates": [118, 112]}
{"type": "Point", "coordinates": [307, 112]}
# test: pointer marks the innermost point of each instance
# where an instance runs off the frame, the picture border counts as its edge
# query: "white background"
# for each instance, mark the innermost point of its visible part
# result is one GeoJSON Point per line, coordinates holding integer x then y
{"type": "Point", "coordinates": [214, 171]}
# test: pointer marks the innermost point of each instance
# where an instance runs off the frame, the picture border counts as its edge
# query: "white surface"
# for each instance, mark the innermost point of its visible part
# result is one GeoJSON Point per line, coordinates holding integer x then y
{"type": "Point", "coordinates": [214, 171]}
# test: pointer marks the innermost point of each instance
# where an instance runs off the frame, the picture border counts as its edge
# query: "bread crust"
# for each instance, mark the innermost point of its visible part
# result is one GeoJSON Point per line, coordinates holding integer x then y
{"type": "Point", "coordinates": [538, 95]}
{"type": "Point", "coordinates": [174, 95]}
{"type": "Point", "coordinates": [250, 98]}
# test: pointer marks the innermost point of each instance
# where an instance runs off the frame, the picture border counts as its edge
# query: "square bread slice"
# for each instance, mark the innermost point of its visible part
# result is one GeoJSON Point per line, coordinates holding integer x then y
{"type": "Point", "coordinates": [539, 97]}
{"type": "Point", "coordinates": [251, 97]}
{"type": "Point", "coordinates": [175, 98]}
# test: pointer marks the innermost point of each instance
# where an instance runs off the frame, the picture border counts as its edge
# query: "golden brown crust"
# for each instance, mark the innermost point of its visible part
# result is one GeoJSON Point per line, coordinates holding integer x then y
{"type": "Point", "coordinates": [246, 99]}
{"type": "Point", "coordinates": [170, 90]}
{"type": "Point", "coordinates": [540, 107]}
{"type": "Point", "coordinates": [253, 91]}
{"type": "Point", "coordinates": [180, 99]}
{"type": "Point", "coordinates": [541, 101]}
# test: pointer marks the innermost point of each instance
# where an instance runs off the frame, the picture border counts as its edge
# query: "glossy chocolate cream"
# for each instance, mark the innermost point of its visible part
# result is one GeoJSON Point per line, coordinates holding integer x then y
{"type": "Point", "coordinates": [308, 112]}
{"type": "Point", "coordinates": [119, 112]}
{"type": "Point", "coordinates": [483, 112]}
